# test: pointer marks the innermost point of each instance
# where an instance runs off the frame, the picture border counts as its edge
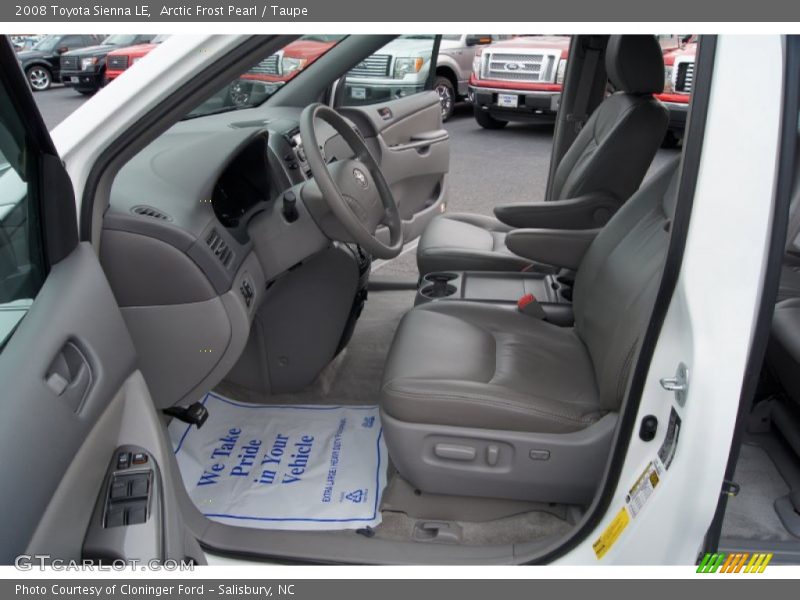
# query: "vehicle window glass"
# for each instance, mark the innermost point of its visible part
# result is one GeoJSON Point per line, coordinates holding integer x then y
{"type": "Point", "coordinates": [21, 256]}
{"type": "Point", "coordinates": [266, 77]}
{"type": "Point", "coordinates": [71, 41]}
{"type": "Point", "coordinates": [397, 70]}
{"type": "Point", "coordinates": [47, 43]}
{"type": "Point", "coordinates": [121, 39]}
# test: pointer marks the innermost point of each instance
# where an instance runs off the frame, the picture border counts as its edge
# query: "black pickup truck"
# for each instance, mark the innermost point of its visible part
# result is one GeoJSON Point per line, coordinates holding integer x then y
{"type": "Point", "coordinates": [42, 62]}
{"type": "Point", "coordinates": [85, 69]}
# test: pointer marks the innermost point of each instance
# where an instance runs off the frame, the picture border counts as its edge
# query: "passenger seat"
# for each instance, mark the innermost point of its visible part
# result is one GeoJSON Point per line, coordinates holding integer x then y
{"type": "Point", "coordinates": [604, 166]}
{"type": "Point", "coordinates": [479, 399]}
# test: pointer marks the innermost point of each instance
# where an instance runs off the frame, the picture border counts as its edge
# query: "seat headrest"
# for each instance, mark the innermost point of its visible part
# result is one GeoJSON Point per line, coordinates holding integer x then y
{"type": "Point", "coordinates": [635, 64]}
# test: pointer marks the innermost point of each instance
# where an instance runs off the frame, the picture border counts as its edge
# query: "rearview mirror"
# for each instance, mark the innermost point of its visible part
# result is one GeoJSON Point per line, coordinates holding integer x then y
{"type": "Point", "coordinates": [478, 40]}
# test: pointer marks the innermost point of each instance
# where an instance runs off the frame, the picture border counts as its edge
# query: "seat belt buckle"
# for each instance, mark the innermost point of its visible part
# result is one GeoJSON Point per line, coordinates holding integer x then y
{"type": "Point", "coordinates": [529, 305]}
{"type": "Point", "coordinates": [195, 414]}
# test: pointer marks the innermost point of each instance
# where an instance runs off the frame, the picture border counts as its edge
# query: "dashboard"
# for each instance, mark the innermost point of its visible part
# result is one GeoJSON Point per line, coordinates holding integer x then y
{"type": "Point", "coordinates": [217, 245]}
{"type": "Point", "coordinates": [196, 234]}
{"type": "Point", "coordinates": [199, 186]}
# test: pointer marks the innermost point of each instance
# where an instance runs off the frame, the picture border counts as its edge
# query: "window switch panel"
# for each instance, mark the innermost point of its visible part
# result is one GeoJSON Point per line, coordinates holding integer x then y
{"type": "Point", "coordinates": [139, 485]}
{"type": "Point", "coordinates": [119, 489]}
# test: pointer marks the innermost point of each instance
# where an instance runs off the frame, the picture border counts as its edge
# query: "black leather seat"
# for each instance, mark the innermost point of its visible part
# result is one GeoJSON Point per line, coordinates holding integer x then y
{"type": "Point", "coordinates": [608, 160]}
{"type": "Point", "coordinates": [481, 399]}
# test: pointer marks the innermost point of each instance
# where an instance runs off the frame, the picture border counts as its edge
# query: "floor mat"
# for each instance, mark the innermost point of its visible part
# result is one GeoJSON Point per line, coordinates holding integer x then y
{"type": "Point", "coordinates": [284, 467]}
{"type": "Point", "coordinates": [751, 514]}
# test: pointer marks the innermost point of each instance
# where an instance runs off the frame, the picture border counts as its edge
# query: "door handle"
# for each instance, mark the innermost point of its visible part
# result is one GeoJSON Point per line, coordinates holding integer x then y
{"type": "Point", "coordinates": [69, 376]}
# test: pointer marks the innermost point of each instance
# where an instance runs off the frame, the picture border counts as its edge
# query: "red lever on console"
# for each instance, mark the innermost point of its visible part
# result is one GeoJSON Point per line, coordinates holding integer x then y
{"type": "Point", "coordinates": [525, 300]}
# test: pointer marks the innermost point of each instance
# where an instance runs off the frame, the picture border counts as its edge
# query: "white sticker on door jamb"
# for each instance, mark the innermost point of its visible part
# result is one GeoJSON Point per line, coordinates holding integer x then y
{"type": "Point", "coordinates": [284, 466]}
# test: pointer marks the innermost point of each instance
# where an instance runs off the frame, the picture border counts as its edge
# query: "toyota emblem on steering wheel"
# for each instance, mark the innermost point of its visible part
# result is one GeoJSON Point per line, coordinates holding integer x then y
{"type": "Point", "coordinates": [360, 177]}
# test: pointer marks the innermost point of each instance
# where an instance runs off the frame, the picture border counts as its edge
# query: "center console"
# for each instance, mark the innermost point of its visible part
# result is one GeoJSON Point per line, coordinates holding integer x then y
{"type": "Point", "coordinates": [552, 291]}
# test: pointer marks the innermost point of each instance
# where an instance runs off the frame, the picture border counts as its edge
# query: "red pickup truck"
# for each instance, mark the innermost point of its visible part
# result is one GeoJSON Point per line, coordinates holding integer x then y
{"type": "Point", "coordinates": [278, 68]}
{"type": "Point", "coordinates": [518, 79]}
{"type": "Point", "coordinates": [119, 60]}
{"type": "Point", "coordinates": [521, 79]}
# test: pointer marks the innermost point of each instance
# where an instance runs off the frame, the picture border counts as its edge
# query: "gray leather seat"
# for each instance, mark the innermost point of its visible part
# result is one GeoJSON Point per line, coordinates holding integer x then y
{"type": "Point", "coordinates": [783, 352]}
{"type": "Point", "coordinates": [609, 157]}
{"type": "Point", "coordinates": [481, 399]}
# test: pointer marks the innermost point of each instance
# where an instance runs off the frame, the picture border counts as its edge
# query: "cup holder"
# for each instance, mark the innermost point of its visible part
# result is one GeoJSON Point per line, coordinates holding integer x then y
{"type": "Point", "coordinates": [438, 289]}
{"type": "Point", "coordinates": [440, 277]}
{"type": "Point", "coordinates": [436, 285]}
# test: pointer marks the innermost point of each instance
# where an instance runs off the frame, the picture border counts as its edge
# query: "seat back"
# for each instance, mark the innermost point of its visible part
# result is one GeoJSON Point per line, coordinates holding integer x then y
{"type": "Point", "coordinates": [616, 284]}
{"type": "Point", "coordinates": [615, 147]}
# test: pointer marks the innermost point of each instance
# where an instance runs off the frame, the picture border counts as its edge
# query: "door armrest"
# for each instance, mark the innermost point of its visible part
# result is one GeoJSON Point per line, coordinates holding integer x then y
{"type": "Point", "coordinates": [438, 135]}
{"type": "Point", "coordinates": [584, 212]}
{"type": "Point", "coordinates": [555, 247]}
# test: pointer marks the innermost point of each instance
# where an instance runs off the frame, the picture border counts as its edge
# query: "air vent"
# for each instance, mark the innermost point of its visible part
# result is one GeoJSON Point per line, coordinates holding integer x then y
{"type": "Point", "coordinates": [220, 248]}
{"type": "Point", "coordinates": [149, 211]}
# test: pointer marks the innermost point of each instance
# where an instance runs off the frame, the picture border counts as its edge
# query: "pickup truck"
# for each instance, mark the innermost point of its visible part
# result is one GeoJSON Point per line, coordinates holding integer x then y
{"type": "Point", "coordinates": [118, 61]}
{"type": "Point", "coordinates": [262, 80]}
{"type": "Point", "coordinates": [85, 69]}
{"type": "Point", "coordinates": [41, 62]}
{"type": "Point", "coordinates": [518, 79]}
{"type": "Point", "coordinates": [275, 70]}
{"type": "Point", "coordinates": [401, 68]}
{"type": "Point", "coordinates": [678, 79]}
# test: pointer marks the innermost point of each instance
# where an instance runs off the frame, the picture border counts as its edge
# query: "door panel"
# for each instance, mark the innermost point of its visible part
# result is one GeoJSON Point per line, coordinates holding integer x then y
{"type": "Point", "coordinates": [407, 138]}
{"type": "Point", "coordinates": [74, 308]}
{"type": "Point", "coordinates": [71, 391]}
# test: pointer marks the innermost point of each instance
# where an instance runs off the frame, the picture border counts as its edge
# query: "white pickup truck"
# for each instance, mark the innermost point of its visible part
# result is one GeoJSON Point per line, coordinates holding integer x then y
{"type": "Point", "coordinates": [401, 68]}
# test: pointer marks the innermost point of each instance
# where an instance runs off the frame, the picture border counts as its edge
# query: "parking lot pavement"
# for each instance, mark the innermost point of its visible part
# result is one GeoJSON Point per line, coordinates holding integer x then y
{"type": "Point", "coordinates": [487, 167]}
{"type": "Point", "coordinates": [57, 103]}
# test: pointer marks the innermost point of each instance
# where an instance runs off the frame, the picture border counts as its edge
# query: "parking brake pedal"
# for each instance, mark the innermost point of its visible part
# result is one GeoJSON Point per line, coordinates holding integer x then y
{"type": "Point", "coordinates": [195, 414]}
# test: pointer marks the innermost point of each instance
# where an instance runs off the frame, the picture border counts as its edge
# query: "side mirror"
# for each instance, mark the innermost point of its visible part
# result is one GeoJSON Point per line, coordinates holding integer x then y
{"type": "Point", "coordinates": [478, 40]}
{"type": "Point", "coordinates": [62, 49]}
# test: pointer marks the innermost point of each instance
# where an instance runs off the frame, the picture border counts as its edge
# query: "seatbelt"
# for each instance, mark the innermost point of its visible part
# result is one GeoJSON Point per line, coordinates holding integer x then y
{"type": "Point", "coordinates": [580, 108]}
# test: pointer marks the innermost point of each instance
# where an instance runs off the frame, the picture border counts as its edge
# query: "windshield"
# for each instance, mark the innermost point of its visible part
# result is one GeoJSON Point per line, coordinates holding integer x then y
{"type": "Point", "coordinates": [46, 44]}
{"type": "Point", "coordinates": [120, 39]}
{"type": "Point", "coordinates": [261, 81]}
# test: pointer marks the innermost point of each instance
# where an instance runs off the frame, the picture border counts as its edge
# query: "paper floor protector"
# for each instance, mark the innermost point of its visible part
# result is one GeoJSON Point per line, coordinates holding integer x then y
{"type": "Point", "coordinates": [284, 467]}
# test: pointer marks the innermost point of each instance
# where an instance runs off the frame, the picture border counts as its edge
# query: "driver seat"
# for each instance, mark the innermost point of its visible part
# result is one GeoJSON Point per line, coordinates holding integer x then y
{"type": "Point", "coordinates": [609, 158]}
{"type": "Point", "coordinates": [480, 399]}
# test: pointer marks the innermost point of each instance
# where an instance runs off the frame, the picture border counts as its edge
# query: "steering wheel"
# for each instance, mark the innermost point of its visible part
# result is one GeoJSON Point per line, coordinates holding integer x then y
{"type": "Point", "coordinates": [355, 190]}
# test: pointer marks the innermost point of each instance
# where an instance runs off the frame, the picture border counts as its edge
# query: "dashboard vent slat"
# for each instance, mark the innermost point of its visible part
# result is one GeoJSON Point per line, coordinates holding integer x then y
{"type": "Point", "coordinates": [148, 211]}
